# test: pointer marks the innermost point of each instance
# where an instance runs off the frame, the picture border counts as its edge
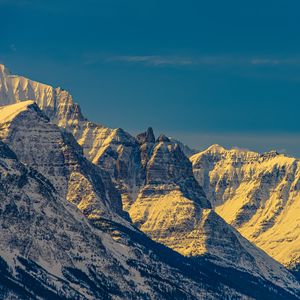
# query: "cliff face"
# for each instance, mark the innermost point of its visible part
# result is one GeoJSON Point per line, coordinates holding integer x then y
{"type": "Point", "coordinates": [154, 182]}
{"type": "Point", "coordinates": [258, 194]}
{"type": "Point", "coordinates": [49, 250]}
{"type": "Point", "coordinates": [56, 155]}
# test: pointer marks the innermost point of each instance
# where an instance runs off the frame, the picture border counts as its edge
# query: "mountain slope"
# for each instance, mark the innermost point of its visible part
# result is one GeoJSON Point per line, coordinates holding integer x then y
{"type": "Point", "coordinates": [57, 156]}
{"type": "Point", "coordinates": [58, 105]}
{"type": "Point", "coordinates": [259, 194]}
{"type": "Point", "coordinates": [49, 250]}
{"type": "Point", "coordinates": [173, 209]}
{"type": "Point", "coordinates": [151, 175]}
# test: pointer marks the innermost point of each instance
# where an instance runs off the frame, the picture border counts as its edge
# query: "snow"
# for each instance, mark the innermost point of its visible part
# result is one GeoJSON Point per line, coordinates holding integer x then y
{"type": "Point", "coordinates": [9, 112]}
{"type": "Point", "coordinates": [163, 211]}
{"type": "Point", "coordinates": [259, 194]}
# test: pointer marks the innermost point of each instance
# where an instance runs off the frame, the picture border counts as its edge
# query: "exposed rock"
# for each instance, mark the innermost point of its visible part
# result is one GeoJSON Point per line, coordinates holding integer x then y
{"type": "Point", "coordinates": [49, 251]}
{"type": "Point", "coordinates": [146, 137]}
{"type": "Point", "coordinates": [184, 148]}
{"type": "Point", "coordinates": [259, 194]}
{"type": "Point", "coordinates": [155, 180]}
{"type": "Point", "coordinates": [56, 155]}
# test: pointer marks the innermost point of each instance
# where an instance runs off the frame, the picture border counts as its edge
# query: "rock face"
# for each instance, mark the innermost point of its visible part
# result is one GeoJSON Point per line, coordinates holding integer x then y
{"type": "Point", "coordinates": [157, 187]}
{"type": "Point", "coordinates": [188, 152]}
{"type": "Point", "coordinates": [58, 105]}
{"type": "Point", "coordinates": [259, 194]}
{"type": "Point", "coordinates": [172, 209]}
{"type": "Point", "coordinates": [49, 251]}
{"type": "Point", "coordinates": [56, 155]}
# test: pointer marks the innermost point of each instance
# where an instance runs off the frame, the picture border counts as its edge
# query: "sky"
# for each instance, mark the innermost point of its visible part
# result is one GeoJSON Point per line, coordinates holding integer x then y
{"type": "Point", "coordinates": [225, 72]}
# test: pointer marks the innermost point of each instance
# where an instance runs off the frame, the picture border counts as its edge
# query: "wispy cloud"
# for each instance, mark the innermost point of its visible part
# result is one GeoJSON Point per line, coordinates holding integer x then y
{"type": "Point", "coordinates": [194, 60]}
{"type": "Point", "coordinates": [153, 60]}
{"type": "Point", "coordinates": [171, 60]}
{"type": "Point", "coordinates": [264, 61]}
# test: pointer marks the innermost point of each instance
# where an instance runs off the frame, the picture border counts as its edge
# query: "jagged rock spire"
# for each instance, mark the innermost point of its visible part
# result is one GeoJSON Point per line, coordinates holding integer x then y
{"type": "Point", "coordinates": [146, 137]}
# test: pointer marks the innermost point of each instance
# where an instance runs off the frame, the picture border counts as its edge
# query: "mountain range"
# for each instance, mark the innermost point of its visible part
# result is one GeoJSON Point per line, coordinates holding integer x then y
{"type": "Point", "coordinates": [90, 212]}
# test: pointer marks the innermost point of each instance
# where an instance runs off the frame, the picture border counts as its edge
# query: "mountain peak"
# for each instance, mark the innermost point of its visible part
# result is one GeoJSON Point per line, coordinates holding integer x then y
{"type": "Point", "coordinates": [4, 70]}
{"type": "Point", "coordinates": [163, 138]}
{"type": "Point", "coordinates": [146, 137]}
{"type": "Point", "coordinates": [216, 148]}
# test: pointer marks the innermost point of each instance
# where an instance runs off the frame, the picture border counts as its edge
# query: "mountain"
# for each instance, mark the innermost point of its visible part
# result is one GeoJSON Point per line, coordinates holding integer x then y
{"type": "Point", "coordinates": [259, 194]}
{"type": "Point", "coordinates": [184, 148]}
{"type": "Point", "coordinates": [154, 184]}
{"type": "Point", "coordinates": [173, 209]}
{"type": "Point", "coordinates": [49, 249]}
{"type": "Point", "coordinates": [56, 155]}
{"type": "Point", "coordinates": [58, 105]}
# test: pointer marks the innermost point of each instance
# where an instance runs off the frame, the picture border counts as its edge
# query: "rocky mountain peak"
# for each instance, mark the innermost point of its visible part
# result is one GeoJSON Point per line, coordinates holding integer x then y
{"type": "Point", "coordinates": [163, 138]}
{"type": "Point", "coordinates": [216, 148]}
{"type": "Point", "coordinates": [55, 154]}
{"type": "Point", "coordinates": [271, 154]}
{"type": "Point", "coordinates": [146, 137]}
{"type": "Point", "coordinates": [258, 194]}
{"type": "Point", "coordinates": [158, 189]}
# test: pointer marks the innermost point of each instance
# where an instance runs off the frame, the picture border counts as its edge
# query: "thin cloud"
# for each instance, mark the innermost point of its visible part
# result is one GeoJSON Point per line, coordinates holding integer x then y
{"type": "Point", "coordinates": [292, 61]}
{"type": "Point", "coordinates": [153, 60]}
{"type": "Point", "coordinates": [190, 61]}
{"type": "Point", "coordinates": [166, 60]}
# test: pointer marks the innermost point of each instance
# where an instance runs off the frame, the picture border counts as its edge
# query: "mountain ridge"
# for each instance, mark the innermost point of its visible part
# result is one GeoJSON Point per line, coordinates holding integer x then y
{"type": "Point", "coordinates": [140, 168]}
{"type": "Point", "coordinates": [257, 194]}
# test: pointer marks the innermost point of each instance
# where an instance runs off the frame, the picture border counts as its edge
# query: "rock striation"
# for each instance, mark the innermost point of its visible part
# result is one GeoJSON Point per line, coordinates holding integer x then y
{"type": "Point", "coordinates": [152, 179]}
{"type": "Point", "coordinates": [259, 194]}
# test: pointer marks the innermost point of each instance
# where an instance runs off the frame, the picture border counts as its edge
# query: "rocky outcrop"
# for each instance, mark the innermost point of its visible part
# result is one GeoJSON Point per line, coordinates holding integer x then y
{"type": "Point", "coordinates": [172, 209]}
{"type": "Point", "coordinates": [258, 194]}
{"type": "Point", "coordinates": [56, 155]}
{"type": "Point", "coordinates": [155, 180]}
{"type": "Point", "coordinates": [49, 251]}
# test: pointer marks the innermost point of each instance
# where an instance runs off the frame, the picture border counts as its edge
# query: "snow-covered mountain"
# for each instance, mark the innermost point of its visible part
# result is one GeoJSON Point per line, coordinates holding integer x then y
{"type": "Point", "coordinates": [259, 194]}
{"type": "Point", "coordinates": [55, 154]}
{"type": "Point", "coordinates": [58, 105]}
{"type": "Point", "coordinates": [151, 178]}
{"type": "Point", "coordinates": [49, 249]}
{"type": "Point", "coordinates": [172, 209]}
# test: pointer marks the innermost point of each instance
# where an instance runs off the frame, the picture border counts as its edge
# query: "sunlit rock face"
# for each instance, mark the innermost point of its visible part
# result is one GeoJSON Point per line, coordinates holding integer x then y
{"type": "Point", "coordinates": [172, 209]}
{"type": "Point", "coordinates": [48, 250]}
{"type": "Point", "coordinates": [153, 176]}
{"type": "Point", "coordinates": [56, 154]}
{"type": "Point", "coordinates": [258, 194]}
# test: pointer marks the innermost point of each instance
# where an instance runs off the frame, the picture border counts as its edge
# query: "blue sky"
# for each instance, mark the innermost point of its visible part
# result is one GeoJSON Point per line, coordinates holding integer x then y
{"type": "Point", "coordinates": [206, 72]}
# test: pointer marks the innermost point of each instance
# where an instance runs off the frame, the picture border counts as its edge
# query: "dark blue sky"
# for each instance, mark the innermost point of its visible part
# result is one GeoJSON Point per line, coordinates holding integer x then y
{"type": "Point", "coordinates": [205, 71]}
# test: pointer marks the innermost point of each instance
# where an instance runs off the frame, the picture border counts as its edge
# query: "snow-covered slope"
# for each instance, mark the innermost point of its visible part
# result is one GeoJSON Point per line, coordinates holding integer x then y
{"type": "Point", "coordinates": [55, 154]}
{"type": "Point", "coordinates": [58, 105]}
{"type": "Point", "coordinates": [48, 250]}
{"type": "Point", "coordinates": [172, 209]}
{"type": "Point", "coordinates": [154, 178]}
{"type": "Point", "coordinates": [259, 194]}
